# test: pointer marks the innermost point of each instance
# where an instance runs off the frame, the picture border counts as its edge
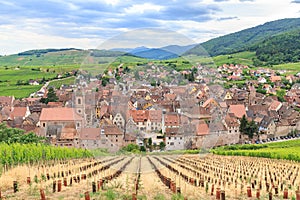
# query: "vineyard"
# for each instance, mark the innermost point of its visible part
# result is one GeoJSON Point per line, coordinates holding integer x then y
{"type": "Point", "coordinates": [289, 150]}
{"type": "Point", "coordinates": [155, 177]}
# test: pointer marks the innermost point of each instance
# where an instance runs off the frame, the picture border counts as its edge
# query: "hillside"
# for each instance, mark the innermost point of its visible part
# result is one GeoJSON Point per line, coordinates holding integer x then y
{"type": "Point", "coordinates": [242, 40]}
{"type": "Point", "coordinates": [156, 54]}
{"type": "Point", "coordinates": [60, 57]}
{"type": "Point", "coordinates": [283, 48]}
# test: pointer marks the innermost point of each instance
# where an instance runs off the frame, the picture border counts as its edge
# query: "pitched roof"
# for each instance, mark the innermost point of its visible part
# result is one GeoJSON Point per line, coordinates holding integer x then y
{"type": "Point", "coordinates": [275, 105]}
{"type": "Point", "coordinates": [172, 119]}
{"type": "Point", "coordinates": [155, 115]}
{"type": "Point", "coordinates": [68, 133]}
{"type": "Point", "coordinates": [202, 128]}
{"type": "Point", "coordinates": [111, 130]}
{"type": "Point", "coordinates": [139, 115]}
{"type": "Point", "coordinates": [238, 110]}
{"type": "Point", "coordinates": [18, 112]}
{"type": "Point", "coordinates": [4, 100]}
{"type": "Point", "coordinates": [90, 133]}
{"type": "Point", "coordinates": [59, 114]}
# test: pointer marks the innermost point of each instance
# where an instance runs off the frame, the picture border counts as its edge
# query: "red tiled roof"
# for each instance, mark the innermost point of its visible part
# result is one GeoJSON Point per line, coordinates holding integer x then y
{"type": "Point", "coordinates": [111, 130]}
{"type": "Point", "coordinates": [238, 110]}
{"type": "Point", "coordinates": [18, 112]}
{"type": "Point", "coordinates": [59, 114]}
{"type": "Point", "coordinates": [155, 115]}
{"type": "Point", "coordinates": [6, 100]}
{"type": "Point", "coordinates": [172, 119]}
{"type": "Point", "coordinates": [202, 128]}
{"type": "Point", "coordinates": [139, 115]}
{"type": "Point", "coordinates": [90, 133]}
{"type": "Point", "coordinates": [68, 133]}
{"type": "Point", "coordinates": [275, 105]}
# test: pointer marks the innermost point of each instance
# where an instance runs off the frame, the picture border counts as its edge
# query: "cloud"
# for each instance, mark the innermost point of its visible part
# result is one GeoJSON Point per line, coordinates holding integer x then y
{"type": "Point", "coordinates": [77, 20]}
{"type": "Point", "coordinates": [221, 0]}
{"type": "Point", "coordinates": [227, 18]}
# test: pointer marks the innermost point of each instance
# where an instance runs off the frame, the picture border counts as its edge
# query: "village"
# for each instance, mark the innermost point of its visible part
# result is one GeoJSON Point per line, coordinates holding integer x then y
{"type": "Point", "coordinates": [153, 104]}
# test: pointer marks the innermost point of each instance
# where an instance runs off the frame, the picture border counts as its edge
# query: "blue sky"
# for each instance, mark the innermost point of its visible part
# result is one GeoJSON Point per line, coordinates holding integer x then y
{"type": "Point", "coordinates": [31, 24]}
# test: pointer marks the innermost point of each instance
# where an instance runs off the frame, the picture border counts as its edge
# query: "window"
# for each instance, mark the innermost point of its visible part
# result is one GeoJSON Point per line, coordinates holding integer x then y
{"type": "Point", "coordinates": [79, 101]}
{"type": "Point", "coordinates": [116, 140]}
{"type": "Point", "coordinates": [44, 124]}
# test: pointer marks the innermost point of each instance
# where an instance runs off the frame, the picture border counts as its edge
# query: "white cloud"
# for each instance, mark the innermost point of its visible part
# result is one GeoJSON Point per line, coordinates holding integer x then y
{"type": "Point", "coordinates": [75, 23]}
{"type": "Point", "coordinates": [142, 8]}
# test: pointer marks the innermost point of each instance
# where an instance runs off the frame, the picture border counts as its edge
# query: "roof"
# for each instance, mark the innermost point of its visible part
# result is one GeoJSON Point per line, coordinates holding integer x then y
{"type": "Point", "coordinates": [18, 112]}
{"type": "Point", "coordinates": [172, 119]}
{"type": "Point", "coordinates": [275, 78]}
{"type": "Point", "coordinates": [59, 114]}
{"type": "Point", "coordinates": [68, 133]}
{"type": "Point", "coordinates": [111, 130]}
{"type": "Point", "coordinates": [155, 115]}
{"type": "Point", "coordinates": [202, 128]}
{"type": "Point", "coordinates": [139, 115]}
{"type": "Point", "coordinates": [231, 121]}
{"type": "Point", "coordinates": [275, 105]}
{"type": "Point", "coordinates": [6, 100]}
{"type": "Point", "coordinates": [90, 133]}
{"type": "Point", "coordinates": [238, 110]}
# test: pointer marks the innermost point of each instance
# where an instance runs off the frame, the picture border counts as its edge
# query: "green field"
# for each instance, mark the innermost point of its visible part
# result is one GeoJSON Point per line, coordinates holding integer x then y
{"type": "Point", "coordinates": [289, 150]}
{"type": "Point", "coordinates": [65, 81]}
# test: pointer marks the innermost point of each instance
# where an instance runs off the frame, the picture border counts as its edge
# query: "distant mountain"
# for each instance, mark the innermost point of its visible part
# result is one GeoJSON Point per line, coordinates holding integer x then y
{"type": "Point", "coordinates": [167, 52]}
{"type": "Point", "coordinates": [245, 39]}
{"type": "Point", "coordinates": [44, 51]}
{"type": "Point", "coordinates": [130, 50]}
{"type": "Point", "coordinates": [155, 54]}
{"type": "Point", "coordinates": [176, 49]}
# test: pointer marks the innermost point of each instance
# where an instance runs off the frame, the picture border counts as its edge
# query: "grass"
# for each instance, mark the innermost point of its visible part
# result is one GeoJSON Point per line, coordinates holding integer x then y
{"type": "Point", "coordinates": [292, 68]}
{"type": "Point", "coordinates": [288, 150]}
{"type": "Point", "coordinates": [18, 91]}
{"type": "Point", "coordinates": [58, 83]}
{"type": "Point", "coordinates": [244, 58]}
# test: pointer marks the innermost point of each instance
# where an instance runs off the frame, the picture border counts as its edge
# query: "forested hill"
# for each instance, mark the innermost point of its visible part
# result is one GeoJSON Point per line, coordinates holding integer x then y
{"type": "Point", "coordinates": [242, 40]}
{"type": "Point", "coordinates": [283, 48]}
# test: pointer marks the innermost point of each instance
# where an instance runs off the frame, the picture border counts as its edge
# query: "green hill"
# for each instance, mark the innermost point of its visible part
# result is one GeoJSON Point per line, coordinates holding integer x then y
{"type": "Point", "coordinates": [283, 48]}
{"type": "Point", "coordinates": [243, 40]}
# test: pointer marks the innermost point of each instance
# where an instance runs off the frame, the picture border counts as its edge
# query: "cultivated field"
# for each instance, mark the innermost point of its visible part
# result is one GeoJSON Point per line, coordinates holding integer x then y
{"type": "Point", "coordinates": [154, 177]}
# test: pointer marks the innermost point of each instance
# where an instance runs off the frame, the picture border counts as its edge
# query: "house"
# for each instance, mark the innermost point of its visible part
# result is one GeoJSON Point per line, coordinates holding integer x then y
{"type": "Point", "coordinates": [68, 137]}
{"type": "Point", "coordinates": [170, 120]}
{"type": "Point", "coordinates": [262, 80]}
{"type": "Point", "coordinates": [232, 124]}
{"type": "Point", "coordinates": [33, 82]}
{"type": "Point", "coordinates": [113, 138]}
{"type": "Point", "coordinates": [174, 140]}
{"type": "Point", "coordinates": [154, 122]}
{"type": "Point", "coordinates": [90, 138]}
{"type": "Point", "coordinates": [7, 101]}
{"type": "Point", "coordinates": [130, 139]}
{"type": "Point", "coordinates": [52, 120]}
{"type": "Point", "coordinates": [202, 128]}
{"type": "Point", "coordinates": [267, 127]}
{"type": "Point", "coordinates": [19, 112]}
{"type": "Point", "coordinates": [119, 121]}
{"type": "Point", "coordinates": [275, 106]}
{"type": "Point", "coordinates": [275, 79]}
{"type": "Point", "coordinates": [140, 118]}
{"type": "Point", "coordinates": [237, 110]}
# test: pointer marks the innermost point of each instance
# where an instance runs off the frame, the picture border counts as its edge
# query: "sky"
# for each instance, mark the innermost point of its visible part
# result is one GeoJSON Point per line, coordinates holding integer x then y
{"type": "Point", "coordinates": [89, 24]}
